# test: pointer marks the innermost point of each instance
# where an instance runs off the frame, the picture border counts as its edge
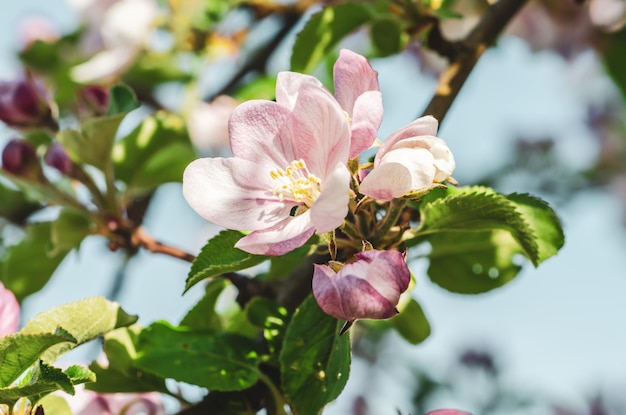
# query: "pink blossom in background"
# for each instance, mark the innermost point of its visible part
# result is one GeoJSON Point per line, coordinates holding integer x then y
{"type": "Point", "coordinates": [208, 123]}
{"type": "Point", "coordinates": [448, 412]}
{"type": "Point", "coordinates": [408, 161]}
{"type": "Point", "coordinates": [9, 312]}
{"type": "Point", "coordinates": [288, 178]}
{"type": "Point", "coordinates": [608, 14]}
{"type": "Point", "coordinates": [86, 402]}
{"type": "Point", "coordinates": [368, 288]}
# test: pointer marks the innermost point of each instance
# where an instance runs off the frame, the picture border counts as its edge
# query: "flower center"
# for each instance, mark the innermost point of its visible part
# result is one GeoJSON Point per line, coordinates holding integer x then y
{"type": "Point", "coordinates": [296, 183]}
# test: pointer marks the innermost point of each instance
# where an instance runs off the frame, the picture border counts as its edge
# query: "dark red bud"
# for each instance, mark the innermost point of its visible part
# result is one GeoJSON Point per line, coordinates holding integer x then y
{"type": "Point", "coordinates": [57, 157]}
{"type": "Point", "coordinates": [94, 100]}
{"type": "Point", "coordinates": [19, 158]}
{"type": "Point", "coordinates": [23, 104]}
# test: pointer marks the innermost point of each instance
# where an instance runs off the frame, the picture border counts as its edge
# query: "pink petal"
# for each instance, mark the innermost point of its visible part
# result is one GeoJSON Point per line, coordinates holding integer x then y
{"type": "Point", "coordinates": [233, 193]}
{"type": "Point", "coordinates": [386, 182]}
{"type": "Point", "coordinates": [447, 412]}
{"type": "Point", "coordinates": [289, 84]}
{"type": "Point", "coordinates": [9, 312]}
{"type": "Point", "coordinates": [369, 288]}
{"type": "Point", "coordinates": [353, 75]}
{"type": "Point", "coordinates": [418, 161]}
{"type": "Point", "coordinates": [422, 126]}
{"type": "Point", "coordinates": [366, 119]}
{"type": "Point", "coordinates": [257, 133]}
{"type": "Point", "coordinates": [281, 238]}
{"type": "Point", "coordinates": [331, 206]}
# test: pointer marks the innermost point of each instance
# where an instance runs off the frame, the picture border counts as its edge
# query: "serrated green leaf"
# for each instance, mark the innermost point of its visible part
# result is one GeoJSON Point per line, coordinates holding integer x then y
{"type": "Point", "coordinates": [479, 209]}
{"type": "Point", "coordinates": [412, 323]}
{"type": "Point", "coordinates": [27, 266]}
{"type": "Point", "coordinates": [69, 230]}
{"type": "Point", "coordinates": [85, 319]}
{"type": "Point", "coordinates": [121, 374]}
{"type": "Point", "coordinates": [214, 360]}
{"type": "Point", "coordinates": [323, 31]}
{"type": "Point", "coordinates": [473, 263]}
{"type": "Point", "coordinates": [19, 351]}
{"type": "Point", "coordinates": [314, 360]}
{"type": "Point", "coordinates": [387, 36]}
{"type": "Point", "coordinates": [219, 256]}
{"type": "Point", "coordinates": [203, 316]}
{"type": "Point", "coordinates": [273, 319]}
{"type": "Point", "coordinates": [55, 405]}
{"type": "Point", "coordinates": [544, 222]}
{"type": "Point", "coordinates": [15, 206]}
{"type": "Point", "coordinates": [122, 100]}
{"type": "Point", "coordinates": [46, 379]}
{"type": "Point", "coordinates": [155, 152]}
{"type": "Point", "coordinates": [79, 374]}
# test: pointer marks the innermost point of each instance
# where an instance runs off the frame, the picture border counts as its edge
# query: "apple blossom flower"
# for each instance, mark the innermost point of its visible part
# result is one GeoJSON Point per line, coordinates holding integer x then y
{"type": "Point", "coordinates": [208, 123]}
{"type": "Point", "coordinates": [357, 91]}
{"type": "Point", "coordinates": [608, 14]}
{"type": "Point", "coordinates": [288, 178]}
{"type": "Point", "coordinates": [124, 27]}
{"type": "Point", "coordinates": [368, 288]}
{"type": "Point", "coordinates": [9, 312]}
{"type": "Point", "coordinates": [409, 161]}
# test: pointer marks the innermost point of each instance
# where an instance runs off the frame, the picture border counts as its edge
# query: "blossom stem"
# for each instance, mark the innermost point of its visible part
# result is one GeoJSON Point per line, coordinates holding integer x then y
{"type": "Point", "coordinates": [279, 401]}
{"type": "Point", "coordinates": [396, 206]}
{"type": "Point", "coordinates": [492, 22]}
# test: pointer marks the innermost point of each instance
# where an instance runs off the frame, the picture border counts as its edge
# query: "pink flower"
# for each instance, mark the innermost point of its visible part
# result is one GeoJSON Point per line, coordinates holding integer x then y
{"type": "Point", "coordinates": [9, 312]}
{"type": "Point", "coordinates": [288, 178]}
{"type": "Point", "coordinates": [86, 402]}
{"type": "Point", "coordinates": [448, 412]}
{"type": "Point", "coordinates": [357, 91]}
{"type": "Point", "coordinates": [409, 161]}
{"type": "Point", "coordinates": [368, 288]}
{"type": "Point", "coordinates": [208, 123]}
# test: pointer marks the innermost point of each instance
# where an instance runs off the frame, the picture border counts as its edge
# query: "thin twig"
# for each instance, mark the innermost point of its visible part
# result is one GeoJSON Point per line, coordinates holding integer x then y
{"type": "Point", "coordinates": [141, 238]}
{"type": "Point", "coordinates": [469, 50]}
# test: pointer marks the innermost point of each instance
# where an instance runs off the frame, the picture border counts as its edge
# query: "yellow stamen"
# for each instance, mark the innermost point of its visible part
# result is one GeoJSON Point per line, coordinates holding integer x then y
{"type": "Point", "coordinates": [297, 183]}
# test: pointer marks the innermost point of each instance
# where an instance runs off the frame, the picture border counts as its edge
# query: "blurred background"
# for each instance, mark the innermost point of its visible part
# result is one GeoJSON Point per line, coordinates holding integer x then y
{"type": "Point", "coordinates": [539, 114]}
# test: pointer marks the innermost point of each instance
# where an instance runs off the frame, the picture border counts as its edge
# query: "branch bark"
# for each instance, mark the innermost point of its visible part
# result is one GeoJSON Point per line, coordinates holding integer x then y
{"type": "Point", "coordinates": [469, 50]}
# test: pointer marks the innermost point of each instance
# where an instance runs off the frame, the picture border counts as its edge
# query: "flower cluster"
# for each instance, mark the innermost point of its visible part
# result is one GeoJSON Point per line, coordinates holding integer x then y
{"type": "Point", "coordinates": [295, 172]}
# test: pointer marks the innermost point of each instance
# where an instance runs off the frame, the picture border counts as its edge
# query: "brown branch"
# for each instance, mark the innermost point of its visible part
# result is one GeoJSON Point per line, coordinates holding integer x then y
{"type": "Point", "coordinates": [469, 50]}
{"type": "Point", "coordinates": [141, 238]}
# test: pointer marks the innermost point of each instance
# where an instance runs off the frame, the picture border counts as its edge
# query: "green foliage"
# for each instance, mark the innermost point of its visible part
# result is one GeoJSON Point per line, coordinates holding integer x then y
{"type": "Point", "coordinates": [214, 360]}
{"type": "Point", "coordinates": [85, 320]}
{"type": "Point", "coordinates": [122, 100]}
{"type": "Point", "coordinates": [388, 36]}
{"type": "Point", "coordinates": [412, 323]}
{"type": "Point", "coordinates": [122, 374]}
{"type": "Point", "coordinates": [615, 60]}
{"type": "Point", "coordinates": [154, 68]}
{"type": "Point", "coordinates": [272, 319]}
{"type": "Point", "coordinates": [314, 360]}
{"type": "Point", "coordinates": [16, 206]}
{"type": "Point", "coordinates": [155, 152]}
{"type": "Point", "coordinates": [69, 230]}
{"type": "Point", "coordinates": [219, 256]}
{"type": "Point", "coordinates": [323, 31]}
{"type": "Point", "coordinates": [55, 405]}
{"type": "Point", "coordinates": [203, 315]}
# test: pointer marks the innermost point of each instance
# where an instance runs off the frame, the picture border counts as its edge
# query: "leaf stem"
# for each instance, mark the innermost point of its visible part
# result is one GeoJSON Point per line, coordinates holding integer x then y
{"type": "Point", "coordinates": [396, 206]}
{"type": "Point", "coordinates": [279, 400]}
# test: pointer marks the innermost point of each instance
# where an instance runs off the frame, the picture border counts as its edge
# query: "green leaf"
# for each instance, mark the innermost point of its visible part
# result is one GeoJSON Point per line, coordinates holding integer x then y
{"type": "Point", "coordinates": [79, 374]}
{"type": "Point", "coordinates": [55, 405]}
{"type": "Point", "coordinates": [387, 36]}
{"type": "Point", "coordinates": [44, 380]}
{"type": "Point", "coordinates": [155, 152]}
{"type": "Point", "coordinates": [19, 351]}
{"type": "Point", "coordinates": [315, 359]}
{"type": "Point", "coordinates": [478, 209]}
{"type": "Point", "coordinates": [474, 263]}
{"type": "Point", "coordinates": [219, 256]}
{"type": "Point", "coordinates": [122, 100]}
{"type": "Point", "coordinates": [263, 87]}
{"type": "Point", "coordinates": [121, 374]}
{"type": "Point", "coordinates": [94, 142]}
{"type": "Point", "coordinates": [203, 316]}
{"type": "Point", "coordinates": [85, 319]}
{"type": "Point", "coordinates": [214, 360]}
{"type": "Point", "coordinates": [544, 223]}
{"type": "Point", "coordinates": [281, 266]}
{"type": "Point", "coordinates": [323, 31]}
{"type": "Point", "coordinates": [15, 206]}
{"type": "Point", "coordinates": [27, 266]}
{"type": "Point", "coordinates": [412, 323]}
{"type": "Point", "coordinates": [272, 318]}
{"type": "Point", "coordinates": [614, 59]}
{"type": "Point", "coordinates": [69, 230]}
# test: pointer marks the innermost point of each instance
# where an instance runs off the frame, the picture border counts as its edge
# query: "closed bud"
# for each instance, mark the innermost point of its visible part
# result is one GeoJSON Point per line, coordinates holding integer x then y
{"type": "Point", "coordinates": [57, 157]}
{"type": "Point", "coordinates": [93, 100]}
{"type": "Point", "coordinates": [23, 105]}
{"type": "Point", "coordinates": [19, 159]}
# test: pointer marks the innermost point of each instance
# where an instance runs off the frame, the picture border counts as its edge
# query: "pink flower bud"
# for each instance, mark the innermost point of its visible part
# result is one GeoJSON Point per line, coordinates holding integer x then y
{"type": "Point", "coordinates": [19, 158]}
{"type": "Point", "coordinates": [57, 157]}
{"type": "Point", "coordinates": [448, 412]}
{"type": "Point", "coordinates": [9, 312]}
{"type": "Point", "coordinates": [93, 100]}
{"type": "Point", "coordinates": [23, 104]}
{"type": "Point", "coordinates": [368, 288]}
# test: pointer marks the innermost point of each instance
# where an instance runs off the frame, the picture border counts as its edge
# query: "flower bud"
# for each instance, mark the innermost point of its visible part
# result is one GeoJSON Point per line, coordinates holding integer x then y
{"type": "Point", "coordinates": [23, 105]}
{"type": "Point", "coordinates": [9, 312]}
{"type": "Point", "coordinates": [93, 100]}
{"type": "Point", "coordinates": [57, 157]}
{"type": "Point", "coordinates": [20, 159]}
{"type": "Point", "coordinates": [368, 288]}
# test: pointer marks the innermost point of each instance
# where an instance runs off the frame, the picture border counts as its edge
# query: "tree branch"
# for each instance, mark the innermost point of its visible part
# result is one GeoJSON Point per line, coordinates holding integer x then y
{"type": "Point", "coordinates": [493, 21]}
